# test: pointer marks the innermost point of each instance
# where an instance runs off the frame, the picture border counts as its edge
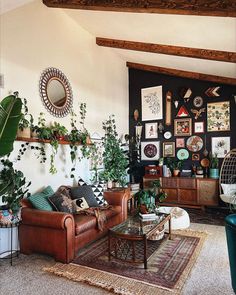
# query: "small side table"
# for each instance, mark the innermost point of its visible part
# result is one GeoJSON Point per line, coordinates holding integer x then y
{"type": "Point", "coordinates": [12, 252]}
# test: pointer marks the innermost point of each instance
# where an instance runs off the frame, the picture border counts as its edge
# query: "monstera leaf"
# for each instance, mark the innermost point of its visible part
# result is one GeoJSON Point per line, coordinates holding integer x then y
{"type": "Point", "coordinates": [10, 115]}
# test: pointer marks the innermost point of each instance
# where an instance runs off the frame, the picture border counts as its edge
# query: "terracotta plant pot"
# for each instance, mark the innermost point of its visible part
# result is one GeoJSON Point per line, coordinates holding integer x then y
{"type": "Point", "coordinates": [176, 173]}
{"type": "Point", "coordinates": [25, 133]}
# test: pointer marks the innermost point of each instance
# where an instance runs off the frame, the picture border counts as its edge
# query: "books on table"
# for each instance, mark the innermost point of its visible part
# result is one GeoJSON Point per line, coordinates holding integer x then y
{"type": "Point", "coordinates": [148, 216]}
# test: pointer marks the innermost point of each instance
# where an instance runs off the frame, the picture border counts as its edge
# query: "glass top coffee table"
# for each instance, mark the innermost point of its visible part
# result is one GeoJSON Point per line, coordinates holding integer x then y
{"type": "Point", "coordinates": [128, 241]}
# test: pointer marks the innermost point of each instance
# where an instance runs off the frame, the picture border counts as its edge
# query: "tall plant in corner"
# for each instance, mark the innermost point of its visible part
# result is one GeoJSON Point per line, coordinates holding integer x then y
{"type": "Point", "coordinates": [13, 185]}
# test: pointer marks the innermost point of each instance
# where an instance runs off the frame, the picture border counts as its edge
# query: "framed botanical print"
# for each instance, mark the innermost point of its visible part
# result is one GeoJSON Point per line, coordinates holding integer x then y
{"type": "Point", "coordinates": [152, 103]}
{"type": "Point", "coordinates": [168, 149]}
{"type": "Point", "coordinates": [180, 143]}
{"type": "Point", "coordinates": [151, 130]}
{"type": "Point", "coordinates": [220, 146]}
{"type": "Point", "coordinates": [218, 116]}
{"type": "Point", "coordinates": [199, 127]}
{"type": "Point", "coordinates": [183, 127]}
{"type": "Point", "coordinates": [150, 150]}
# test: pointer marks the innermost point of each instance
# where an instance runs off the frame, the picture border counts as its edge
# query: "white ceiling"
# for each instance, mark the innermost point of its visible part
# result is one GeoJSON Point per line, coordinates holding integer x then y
{"type": "Point", "coordinates": [218, 33]}
{"type": "Point", "coordinates": [7, 5]}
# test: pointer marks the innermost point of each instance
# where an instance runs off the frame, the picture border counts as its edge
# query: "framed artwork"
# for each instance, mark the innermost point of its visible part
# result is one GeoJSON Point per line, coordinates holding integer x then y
{"type": "Point", "coordinates": [180, 143]}
{"type": "Point", "coordinates": [218, 116]}
{"type": "Point", "coordinates": [183, 127]}
{"type": "Point", "coordinates": [150, 150]}
{"type": "Point", "coordinates": [152, 103]}
{"type": "Point", "coordinates": [168, 149]}
{"type": "Point", "coordinates": [195, 157]}
{"type": "Point", "coordinates": [199, 127]}
{"type": "Point", "coordinates": [220, 146]}
{"type": "Point", "coordinates": [151, 130]}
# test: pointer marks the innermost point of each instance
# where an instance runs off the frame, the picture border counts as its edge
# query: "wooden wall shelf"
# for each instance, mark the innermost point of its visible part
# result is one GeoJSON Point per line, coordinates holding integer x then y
{"type": "Point", "coordinates": [43, 140]}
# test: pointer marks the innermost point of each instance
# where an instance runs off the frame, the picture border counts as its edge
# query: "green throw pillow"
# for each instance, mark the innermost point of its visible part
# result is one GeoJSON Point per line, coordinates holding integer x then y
{"type": "Point", "coordinates": [40, 200]}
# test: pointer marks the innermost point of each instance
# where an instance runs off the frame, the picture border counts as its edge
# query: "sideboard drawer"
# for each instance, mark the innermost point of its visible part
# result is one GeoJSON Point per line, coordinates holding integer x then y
{"type": "Point", "coordinates": [172, 195]}
{"type": "Point", "coordinates": [187, 183]}
{"type": "Point", "coordinates": [187, 196]}
{"type": "Point", "coordinates": [169, 182]}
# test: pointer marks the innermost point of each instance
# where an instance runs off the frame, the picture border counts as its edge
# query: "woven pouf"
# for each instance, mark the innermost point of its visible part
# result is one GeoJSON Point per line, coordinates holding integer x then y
{"type": "Point", "coordinates": [179, 217]}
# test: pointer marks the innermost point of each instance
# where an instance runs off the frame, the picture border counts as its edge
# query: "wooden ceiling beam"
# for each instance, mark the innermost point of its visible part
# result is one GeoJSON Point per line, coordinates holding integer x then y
{"type": "Point", "coordinates": [180, 73]}
{"type": "Point", "coordinates": [209, 54]}
{"type": "Point", "coordinates": [196, 7]}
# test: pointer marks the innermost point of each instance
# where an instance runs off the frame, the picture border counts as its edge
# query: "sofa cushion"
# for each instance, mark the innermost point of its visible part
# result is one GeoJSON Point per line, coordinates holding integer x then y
{"type": "Point", "coordinates": [40, 200]}
{"type": "Point", "coordinates": [87, 222]}
{"type": "Point", "coordinates": [98, 192]}
{"type": "Point", "coordinates": [86, 192]}
{"type": "Point", "coordinates": [80, 204]}
{"type": "Point", "coordinates": [62, 203]}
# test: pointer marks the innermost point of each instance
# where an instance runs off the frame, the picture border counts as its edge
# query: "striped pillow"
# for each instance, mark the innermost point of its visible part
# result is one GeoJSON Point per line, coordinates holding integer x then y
{"type": "Point", "coordinates": [40, 200]}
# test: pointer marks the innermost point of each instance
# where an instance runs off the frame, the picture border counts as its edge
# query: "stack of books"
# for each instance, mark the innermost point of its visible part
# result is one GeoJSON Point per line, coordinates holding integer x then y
{"type": "Point", "coordinates": [148, 216]}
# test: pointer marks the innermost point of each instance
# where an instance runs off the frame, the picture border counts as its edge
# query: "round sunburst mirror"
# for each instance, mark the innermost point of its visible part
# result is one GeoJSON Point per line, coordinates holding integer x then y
{"type": "Point", "coordinates": [56, 92]}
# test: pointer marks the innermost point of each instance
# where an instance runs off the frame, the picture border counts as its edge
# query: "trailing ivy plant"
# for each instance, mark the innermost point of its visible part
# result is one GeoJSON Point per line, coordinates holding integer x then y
{"type": "Point", "coordinates": [24, 122]}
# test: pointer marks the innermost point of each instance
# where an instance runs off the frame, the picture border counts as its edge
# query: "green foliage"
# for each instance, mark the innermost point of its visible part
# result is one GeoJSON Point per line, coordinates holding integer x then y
{"type": "Point", "coordinates": [13, 185]}
{"type": "Point", "coordinates": [147, 198]}
{"type": "Point", "coordinates": [114, 158]}
{"type": "Point", "coordinates": [24, 122]}
{"type": "Point", "coordinates": [10, 115]}
{"type": "Point", "coordinates": [214, 161]}
{"type": "Point", "coordinates": [174, 164]}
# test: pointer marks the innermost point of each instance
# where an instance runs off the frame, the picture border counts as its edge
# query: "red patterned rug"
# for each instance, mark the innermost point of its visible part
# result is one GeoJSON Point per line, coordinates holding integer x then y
{"type": "Point", "coordinates": [168, 267]}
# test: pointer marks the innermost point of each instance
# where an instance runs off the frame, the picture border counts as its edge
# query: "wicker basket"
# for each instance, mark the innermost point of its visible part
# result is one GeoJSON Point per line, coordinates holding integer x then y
{"type": "Point", "coordinates": [157, 235]}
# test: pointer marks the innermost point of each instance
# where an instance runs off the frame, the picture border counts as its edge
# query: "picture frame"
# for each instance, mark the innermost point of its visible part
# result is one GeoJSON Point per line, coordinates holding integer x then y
{"type": "Point", "coordinates": [151, 130]}
{"type": "Point", "coordinates": [220, 146]}
{"type": "Point", "coordinates": [183, 127]}
{"type": "Point", "coordinates": [195, 157]}
{"type": "Point", "coordinates": [199, 127]}
{"type": "Point", "coordinates": [152, 104]}
{"type": "Point", "coordinates": [168, 149]}
{"type": "Point", "coordinates": [150, 150]}
{"type": "Point", "coordinates": [218, 116]}
{"type": "Point", "coordinates": [180, 142]}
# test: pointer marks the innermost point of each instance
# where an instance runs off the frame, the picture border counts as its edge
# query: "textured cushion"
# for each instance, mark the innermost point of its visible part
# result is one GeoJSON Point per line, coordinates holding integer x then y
{"type": "Point", "coordinates": [86, 192]}
{"type": "Point", "coordinates": [62, 203]}
{"type": "Point", "coordinates": [80, 204]}
{"type": "Point", "coordinates": [229, 189]}
{"type": "Point", "coordinates": [40, 200]}
{"type": "Point", "coordinates": [98, 192]}
{"type": "Point", "coordinates": [81, 182]}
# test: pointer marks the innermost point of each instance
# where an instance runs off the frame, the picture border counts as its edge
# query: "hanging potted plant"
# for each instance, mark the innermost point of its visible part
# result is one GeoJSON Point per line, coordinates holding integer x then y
{"type": "Point", "coordinates": [114, 158]}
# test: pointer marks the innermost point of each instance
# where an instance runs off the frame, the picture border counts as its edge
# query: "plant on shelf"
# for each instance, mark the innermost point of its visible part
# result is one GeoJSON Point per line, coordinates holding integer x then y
{"type": "Point", "coordinates": [214, 166]}
{"type": "Point", "coordinates": [25, 122]}
{"type": "Point", "coordinates": [114, 159]}
{"type": "Point", "coordinates": [174, 165]}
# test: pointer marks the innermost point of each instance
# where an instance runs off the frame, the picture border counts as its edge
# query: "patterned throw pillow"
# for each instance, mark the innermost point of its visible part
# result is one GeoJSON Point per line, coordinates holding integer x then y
{"type": "Point", "coordinates": [98, 192]}
{"type": "Point", "coordinates": [80, 204]}
{"type": "Point", "coordinates": [85, 192]}
{"type": "Point", "coordinates": [62, 203]}
{"type": "Point", "coordinates": [40, 200]}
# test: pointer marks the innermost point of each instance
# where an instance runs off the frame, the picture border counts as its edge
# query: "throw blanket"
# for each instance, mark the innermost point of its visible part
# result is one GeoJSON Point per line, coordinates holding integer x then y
{"type": "Point", "coordinates": [99, 213]}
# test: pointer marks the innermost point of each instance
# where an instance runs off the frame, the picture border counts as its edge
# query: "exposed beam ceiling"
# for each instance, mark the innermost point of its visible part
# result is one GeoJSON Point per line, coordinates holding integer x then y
{"type": "Point", "coordinates": [196, 7]}
{"type": "Point", "coordinates": [168, 49]}
{"type": "Point", "coordinates": [179, 73]}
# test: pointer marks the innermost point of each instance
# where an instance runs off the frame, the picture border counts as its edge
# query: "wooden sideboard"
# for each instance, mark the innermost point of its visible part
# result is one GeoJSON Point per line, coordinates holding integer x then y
{"type": "Point", "coordinates": [187, 191]}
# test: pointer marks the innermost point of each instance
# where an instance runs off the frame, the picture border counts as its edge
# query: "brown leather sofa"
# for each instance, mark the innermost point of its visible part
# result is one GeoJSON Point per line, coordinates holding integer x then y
{"type": "Point", "coordinates": [60, 234]}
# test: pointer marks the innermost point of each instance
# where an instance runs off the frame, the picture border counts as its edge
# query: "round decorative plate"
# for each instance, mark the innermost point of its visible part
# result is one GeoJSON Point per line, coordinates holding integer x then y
{"type": "Point", "coordinates": [167, 135]}
{"type": "Point", "coordinates": [205, 162]}
{"type": "Point", "coordinates": [194, 143]}
{"type": "Point", "coordinates": [150, 150]}
{"type": "Point", "coordinates": [182, 154]}
{"type": "Point", "coordinates": [198, 101]}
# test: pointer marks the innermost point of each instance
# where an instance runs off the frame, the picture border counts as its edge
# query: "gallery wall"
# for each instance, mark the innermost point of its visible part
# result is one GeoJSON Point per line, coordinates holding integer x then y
{"type": "Point", "coordinates": [211, 97]}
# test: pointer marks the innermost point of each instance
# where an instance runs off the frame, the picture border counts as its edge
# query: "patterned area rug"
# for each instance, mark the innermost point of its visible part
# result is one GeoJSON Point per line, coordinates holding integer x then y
{"type": "Point", "coordinates": [212, 216]}
{"type": "Point", "coordinates": [168, 267]}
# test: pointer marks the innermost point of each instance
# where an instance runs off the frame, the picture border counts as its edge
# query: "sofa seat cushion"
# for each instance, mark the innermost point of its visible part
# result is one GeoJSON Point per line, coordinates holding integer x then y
{"type": "Point", "coordinates": [87, 222]}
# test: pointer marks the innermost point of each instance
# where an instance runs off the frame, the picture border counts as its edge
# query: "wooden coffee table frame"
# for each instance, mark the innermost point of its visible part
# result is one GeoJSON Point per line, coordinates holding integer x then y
{"type": "Point", "coordinates": [132, 238]}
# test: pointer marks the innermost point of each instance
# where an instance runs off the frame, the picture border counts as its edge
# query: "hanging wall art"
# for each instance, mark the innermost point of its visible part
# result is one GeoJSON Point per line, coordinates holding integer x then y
{"type": "Point", "coordinates": [150, 151]}
{"type": "Point", "coordinates": [218, 116]}
{"type": "Point", "coordinates": [220, 146]}
{"type": "Point", "coordinates": [151, 130]}
{"type": "Point", "coordinates": [183, 127]}
{"type": "Point", "coordinates": [168, 149]}
{"type": "Point", "coordinates": [168, 108]}
{"type": "Point", "coordinates": [152, 103]}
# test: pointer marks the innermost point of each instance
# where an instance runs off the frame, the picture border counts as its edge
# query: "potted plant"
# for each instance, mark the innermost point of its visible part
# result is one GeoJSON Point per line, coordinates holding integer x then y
{"type": "Point", "coordinates": [114, 159]}
{"type": "Point", "coordinates": [25, 123]}
{"type": "Point", "coordinates": [175, 166]}
{"type": "Point", "coordinates": [214, 166]}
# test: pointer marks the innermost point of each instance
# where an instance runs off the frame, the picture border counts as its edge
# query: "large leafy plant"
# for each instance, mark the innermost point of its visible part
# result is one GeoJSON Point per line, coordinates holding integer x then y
{"type": "Point", "coordinates": [10, 115]}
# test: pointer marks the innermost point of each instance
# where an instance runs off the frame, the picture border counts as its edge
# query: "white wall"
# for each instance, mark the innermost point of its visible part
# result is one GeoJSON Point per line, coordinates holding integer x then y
{"type": "Point", "coordinates": [35, 37]}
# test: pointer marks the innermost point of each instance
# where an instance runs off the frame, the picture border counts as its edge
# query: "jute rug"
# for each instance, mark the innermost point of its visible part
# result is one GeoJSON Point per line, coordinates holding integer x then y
{"type": "Point", "coordinates": [168, 267]}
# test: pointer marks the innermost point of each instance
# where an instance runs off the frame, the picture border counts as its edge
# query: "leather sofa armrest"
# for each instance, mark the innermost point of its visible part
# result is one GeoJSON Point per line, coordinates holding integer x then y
{"type": "Point", "coordinates": [118, 198]}
{"type": "Point", "coordinates": [49, 219]}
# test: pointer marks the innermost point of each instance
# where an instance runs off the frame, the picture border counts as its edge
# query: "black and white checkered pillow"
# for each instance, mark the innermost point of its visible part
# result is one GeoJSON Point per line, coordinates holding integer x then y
{"type": "Point", "coordinates": [81, 182]}
{"type": "Point", "coordinates": [98, 192]}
